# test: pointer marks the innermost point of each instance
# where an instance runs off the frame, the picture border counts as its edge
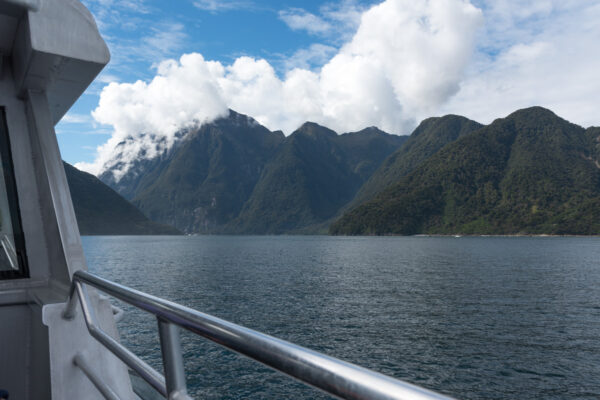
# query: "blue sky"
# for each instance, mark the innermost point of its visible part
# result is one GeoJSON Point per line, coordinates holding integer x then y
{"type": "Point", "coordinates": [346, 64]}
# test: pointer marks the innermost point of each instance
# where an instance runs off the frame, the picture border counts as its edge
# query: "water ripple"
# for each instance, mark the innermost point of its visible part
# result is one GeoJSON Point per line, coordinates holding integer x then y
{"type": "Point", "coordinates": [476, 318]}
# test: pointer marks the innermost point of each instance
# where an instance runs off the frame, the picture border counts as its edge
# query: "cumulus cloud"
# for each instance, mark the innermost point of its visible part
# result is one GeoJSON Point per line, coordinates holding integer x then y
{"type": "Point", "coordinates": [405, 60]}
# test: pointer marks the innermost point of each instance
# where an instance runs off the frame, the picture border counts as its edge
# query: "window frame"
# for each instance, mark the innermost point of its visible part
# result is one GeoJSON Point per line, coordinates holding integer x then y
{"type": "Point", "coordinates": [13, 203]}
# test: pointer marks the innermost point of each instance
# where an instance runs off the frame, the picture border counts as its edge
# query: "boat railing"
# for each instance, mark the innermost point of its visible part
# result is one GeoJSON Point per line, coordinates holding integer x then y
{"type": "Point", "coordinates": [335, 377]}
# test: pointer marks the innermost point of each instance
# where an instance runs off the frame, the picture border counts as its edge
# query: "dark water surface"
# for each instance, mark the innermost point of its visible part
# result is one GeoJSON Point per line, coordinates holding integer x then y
{"type": "Point", "coordinates": [475, 318]}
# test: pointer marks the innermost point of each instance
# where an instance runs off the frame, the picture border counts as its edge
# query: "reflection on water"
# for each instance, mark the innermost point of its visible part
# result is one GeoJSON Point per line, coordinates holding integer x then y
{"type": "Point", "coordinates": [475, 318]}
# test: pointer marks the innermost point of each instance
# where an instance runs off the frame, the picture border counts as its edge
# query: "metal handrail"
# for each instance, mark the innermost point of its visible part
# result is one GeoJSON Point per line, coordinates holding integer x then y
{"type": "Point", "coordinates": [333, 376]}
{"type": "Point", "coordinates": [102, 387]}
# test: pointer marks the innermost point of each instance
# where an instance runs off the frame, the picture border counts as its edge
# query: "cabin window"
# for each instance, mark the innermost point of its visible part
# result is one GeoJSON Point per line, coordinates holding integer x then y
{"type": "Point", "coordinates": [12, 243]}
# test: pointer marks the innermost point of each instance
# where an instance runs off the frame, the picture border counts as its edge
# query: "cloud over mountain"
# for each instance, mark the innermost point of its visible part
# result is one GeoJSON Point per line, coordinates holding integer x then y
{"type": "Point", "coordinates": [543, 52]}
{"type": "Point", "coordinates": [405, 60]}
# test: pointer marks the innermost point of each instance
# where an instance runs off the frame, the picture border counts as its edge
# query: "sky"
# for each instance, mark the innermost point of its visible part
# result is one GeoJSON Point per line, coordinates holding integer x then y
{"type": "Point", "coordinates": [345, 64]}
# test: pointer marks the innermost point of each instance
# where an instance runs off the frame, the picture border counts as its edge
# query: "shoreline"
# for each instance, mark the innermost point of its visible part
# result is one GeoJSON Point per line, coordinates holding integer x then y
{"type": "Point", "coordinates": [540, 235]}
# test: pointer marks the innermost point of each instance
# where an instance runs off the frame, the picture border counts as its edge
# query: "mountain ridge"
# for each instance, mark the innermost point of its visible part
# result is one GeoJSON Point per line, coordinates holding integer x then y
{"type": "Point", "coordinates": [315, 173]}
{"type": "Point", "coordinates": [528, 173]}
{"type": "Point", "coordinates": [428, 137]}
{"type": "Point", "coordinates": [203, 183]}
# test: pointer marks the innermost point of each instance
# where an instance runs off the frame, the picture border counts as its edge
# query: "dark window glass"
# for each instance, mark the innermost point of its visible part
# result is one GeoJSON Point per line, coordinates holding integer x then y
{"type": "Point", "coordinates": [12, 243]}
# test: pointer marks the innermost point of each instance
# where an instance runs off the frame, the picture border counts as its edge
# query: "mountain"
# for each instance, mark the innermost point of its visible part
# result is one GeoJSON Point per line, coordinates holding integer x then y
{"type": "Point", "coordinates": [430, 136]}
{"type": "Point", "coordinates": [234, 175]}
{"type": "Point", "coordinates": [203, 182]}
{"type": "Point", "coordinates": [314, 173]}
{"type": "Point", "coordinates": [101, 211]}
{"type": "Point", "coordinates": [593, 137]}
{"type": "Point", "coordinates": [529, 173]}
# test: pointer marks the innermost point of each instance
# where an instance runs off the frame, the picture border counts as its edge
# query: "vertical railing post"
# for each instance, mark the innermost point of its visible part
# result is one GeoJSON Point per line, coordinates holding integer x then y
{"type": "Point", "coordinates": [170, 346]}
{"type": "Point", "coordinates": [69, 312]}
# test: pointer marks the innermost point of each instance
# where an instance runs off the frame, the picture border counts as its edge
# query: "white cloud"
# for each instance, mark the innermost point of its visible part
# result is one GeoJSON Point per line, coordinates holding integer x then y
{"type": "Point", "coordinates": [548, 57]}
{"type": "Point", "coordinates": [110, 13]}
{"type": "Point", "coordinates": [129, 56]}
{"type": "Point", "coordinates": [107, 78]}
{"type": "Point", "coordinates": [136, 32]}
{"type": "Point", "coordinates": [405, 60]}
{"type": "Point", "coordinates": [299, 19]}
{"type": "Point", "coordinates": [345, 16]}
{"type": "Point", "coordinates": [337, 21]}
{"type": "Point", "coordinates": [160, 41]}
{"type": "Point", "coordinates": [163, 41]}
{"type": "Point", "coordinates": [162, 38]}
{"type": "Point", "coordinates": [72, 118]}
{"type": "Point", "coordinates": [61, 130]}
{"type": "Point", "coordinates": [220, 5]}
{"type": "Point", "coordinates": [183, 93]}
{"type": "Point", "coordinates": [315, 54]}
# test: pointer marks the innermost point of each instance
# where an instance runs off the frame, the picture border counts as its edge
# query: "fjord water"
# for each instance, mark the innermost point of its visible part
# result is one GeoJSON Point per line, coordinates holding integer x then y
{"type": "Point", "coordinates": [472, 317]}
